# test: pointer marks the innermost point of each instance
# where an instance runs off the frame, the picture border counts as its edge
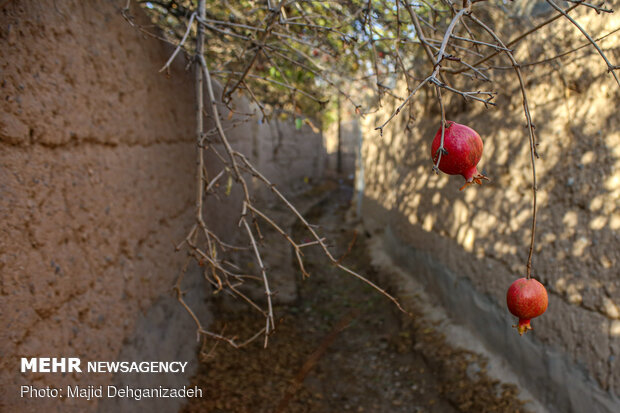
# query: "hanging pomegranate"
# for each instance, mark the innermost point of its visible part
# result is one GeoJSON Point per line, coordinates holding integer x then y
{"type": "Point", "coordinates": [463, 150]}
{"type": "Point", "coordinates": [526, 299]}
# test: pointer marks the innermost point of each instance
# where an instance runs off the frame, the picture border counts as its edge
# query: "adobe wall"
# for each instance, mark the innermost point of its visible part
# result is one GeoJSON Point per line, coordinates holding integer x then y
{"type": "Point", "coordinates": [350, 135]}
{"type": "Point", "coordinates": [97, 165]}
{"type": "Point", "coordinates": [468, 247]}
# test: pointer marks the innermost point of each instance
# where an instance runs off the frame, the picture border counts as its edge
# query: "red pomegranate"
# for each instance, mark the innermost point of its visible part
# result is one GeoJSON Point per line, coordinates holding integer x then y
{"type": "Point", "coordinates": [463, 152]}
{"type": "Point", "coordinates": [526, 299]}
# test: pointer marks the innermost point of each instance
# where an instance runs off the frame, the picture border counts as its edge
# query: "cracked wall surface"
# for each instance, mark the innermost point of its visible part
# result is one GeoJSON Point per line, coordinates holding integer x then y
{"type": "Point", "coordinates": [482, 233]}
{"type": "Point", "coordinates": [97, 166]}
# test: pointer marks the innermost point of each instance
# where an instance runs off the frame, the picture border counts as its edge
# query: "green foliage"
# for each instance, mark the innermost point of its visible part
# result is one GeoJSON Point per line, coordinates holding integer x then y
{"type": "Point", "coordinates": [306, 42]}
{"type": "Point", "coordinates": [294, 57]}
{"type": "Point", "coordinates": [300, 59]}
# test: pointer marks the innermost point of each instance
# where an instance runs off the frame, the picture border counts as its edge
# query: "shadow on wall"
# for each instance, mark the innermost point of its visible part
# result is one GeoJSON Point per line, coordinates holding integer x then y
{"type": "Point", "coordinates": [542, 368]}
{"type": "Point", "coordinates": [350, 139]}
{"type": "Point", "coordinates": [482, 234]}
{"type": "Point", "coordinates": [577, 248]}
{"type": "Point", "coordinates": [279, 146]}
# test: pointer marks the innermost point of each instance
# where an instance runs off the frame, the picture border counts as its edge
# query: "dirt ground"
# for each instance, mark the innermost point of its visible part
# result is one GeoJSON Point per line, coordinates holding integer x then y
{"type": "Point", "coordinates": [344, 347]}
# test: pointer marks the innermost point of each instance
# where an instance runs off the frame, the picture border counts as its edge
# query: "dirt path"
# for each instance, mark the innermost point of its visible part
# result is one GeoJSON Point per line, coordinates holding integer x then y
{"type": "Point", "coordinates": [344, 347]}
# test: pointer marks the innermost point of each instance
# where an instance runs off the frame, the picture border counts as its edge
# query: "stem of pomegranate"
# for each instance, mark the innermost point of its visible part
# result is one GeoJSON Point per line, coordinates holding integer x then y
{"type": "Point", "coordinates": [530, 126]}
{"type": "Point", "coordinates": [441, 149]}
{"type": "Point", "coordinates": [534, 191]}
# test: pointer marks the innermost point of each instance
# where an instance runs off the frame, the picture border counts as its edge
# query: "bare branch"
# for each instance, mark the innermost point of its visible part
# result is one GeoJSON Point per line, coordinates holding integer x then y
{"type": "Point", "coordinates": [517, 39]}
{"type": "Point", "coordinates": [181, 43]}
{"type": "Point", "coordinates": [610, 68]}
{"type": "Point", "coordinates": [532, 138]}
{"type": "Point", "coordinates": [398, 109]}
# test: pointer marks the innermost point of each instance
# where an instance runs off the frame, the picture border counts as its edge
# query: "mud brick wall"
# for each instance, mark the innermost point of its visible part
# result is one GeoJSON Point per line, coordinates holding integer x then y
{"type": "Point", "coordinates": [469, 246]}
{"type": "Point", "coordinates": [97, 164]}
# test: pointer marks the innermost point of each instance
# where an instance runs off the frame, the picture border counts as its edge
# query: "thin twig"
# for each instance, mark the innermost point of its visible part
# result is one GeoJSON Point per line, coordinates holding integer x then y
{"type": "Point", "coordinates": [532, 138]}
{"type": "Point", "coordinates": [517, 39]}
{"type": "Point", "coordinates": [441, 150]}
{"type": "Point", "coordinates": [560, 55]}
{"type": "Point", "coordinates": [398, 109]}
{"type": "Point", "coordinates": [181, 43]}
{"type": "Point", "coordinates": [610, 68]}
